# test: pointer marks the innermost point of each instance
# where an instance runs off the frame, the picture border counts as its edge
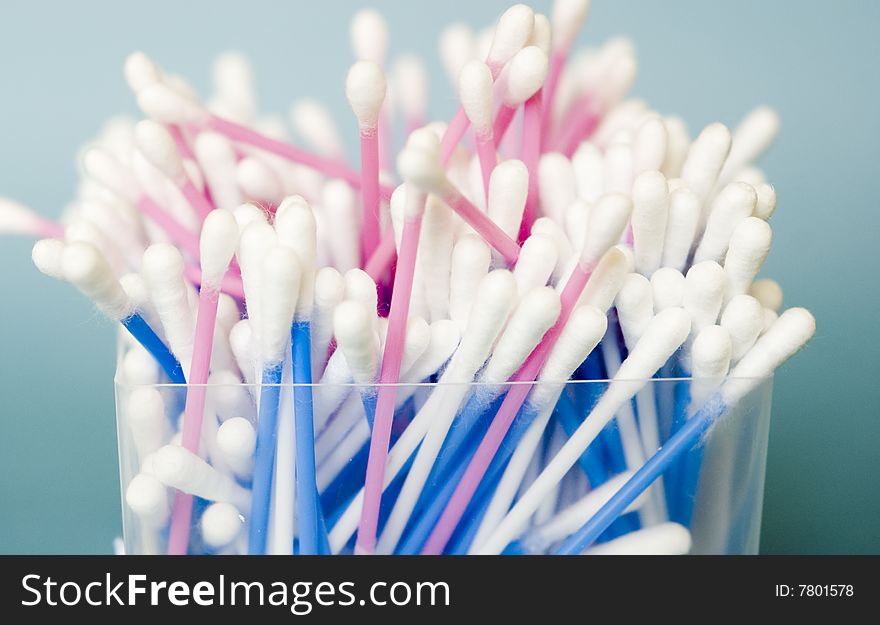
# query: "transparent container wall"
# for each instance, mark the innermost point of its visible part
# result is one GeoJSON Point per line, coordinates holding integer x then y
{"type": "Point", "coordinates": [715, 491]}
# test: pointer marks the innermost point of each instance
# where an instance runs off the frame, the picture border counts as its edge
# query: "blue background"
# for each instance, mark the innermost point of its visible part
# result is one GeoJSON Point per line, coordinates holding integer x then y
{"type": "Point", "coordinates": [60, 66]}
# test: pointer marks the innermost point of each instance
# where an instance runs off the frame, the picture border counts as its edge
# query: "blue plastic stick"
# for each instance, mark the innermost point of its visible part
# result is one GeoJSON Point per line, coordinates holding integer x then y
{"type": "Point", "coordinates": [425, 523]}
{"type": "Point", "coordinates": [264, 460]}
{"type": "Point", "coordinates": [308, 506]}
{"type": "Point", "coordinates": [674, 449]}
{"type": "Point", "coordinates": [679, 417]}
{"type": "Point", "coordinates": [464, 435]}
{"type": "Point", "coordinates": [368, 399]}
{"type": "Point", "coordinates": [143, 333]}
{"type": "Point", "coordinates": [591, 460]}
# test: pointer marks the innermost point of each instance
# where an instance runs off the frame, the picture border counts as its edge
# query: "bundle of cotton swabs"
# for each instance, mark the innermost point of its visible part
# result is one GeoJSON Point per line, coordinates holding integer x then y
{"type": "Point", "coordinates": [554, 230]}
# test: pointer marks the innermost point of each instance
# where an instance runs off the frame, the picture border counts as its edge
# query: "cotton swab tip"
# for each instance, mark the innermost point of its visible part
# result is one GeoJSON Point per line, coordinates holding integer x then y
{"type": "Point", "coordinates": [365, 88]}
{"type": "Point", "coordinates": [85, 267]}
{"type": "Point", "coordinates": [148, 498]}
{"type": "Point", "coordinates": [157, 145]}
{"type": "Point", "coordinates": [279, 292]}
{"type": "Point", "coordinates": [711, 353]}
{"type": "Point", "coordinates": [46, 255]}
{"type": "Point", "coordinates": [525, 75]}
{"type": "Point", "coordinates": [218, 242]}
{"type": "Point", "coordinates": [369, 36]}
{"type": "Point", "coordinates": [768, 293]}
{"type": "Point", "coordinates": [475, 90]}
{"type": "Point", "coordinates": [608, 218]}
{"type": "Point", "coordinates": [164, 104]}
{"type": "Point", "coordinates": [221, 524]}
{"type": "Point", "coordinates": [511, 33]}
{"type": "Point", "coordinates": [422, 168]}
{"type": "Point", "coordinates": [567, 18]}
{"type": "Point", "coordinates": [141, 72]}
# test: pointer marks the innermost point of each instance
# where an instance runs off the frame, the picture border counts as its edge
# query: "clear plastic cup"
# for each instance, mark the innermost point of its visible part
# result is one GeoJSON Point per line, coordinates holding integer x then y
{"type": "Point", "coordinates": [714, 491]}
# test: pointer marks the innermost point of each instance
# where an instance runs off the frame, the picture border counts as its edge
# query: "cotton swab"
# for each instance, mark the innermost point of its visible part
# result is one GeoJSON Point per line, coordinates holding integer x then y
{"type": "Point", "coordinates": [16, 218]}
{"type": "Point", "coordinates": [557, 185]}
{"type": "Point", "coordinates": [217, 158]}
{"type": "Point", "coordinates": [704, 162]}
{"type": "Point", "coordinates": [148, 499]}
{"type": "Point", "coordinates": [149, 425]}
{"type": "Point", "coordinates": [391, 363]}
{"type": "Point", "coordinates": [139, 368]}
{"type": "Point", "coordinates": [420, 165]}
{"type": "Point", "coordinates": [710, 362]}
{"type": "Point", "coordinates": [280, 286]}
{"type": "Point", "coordinates": [681, 227]}
{"type": "Point", "coordinates": [607, 222]}
{"type": "Point", "coordinates": [534, 315]}
{"type": "Point", "coordinates": [493, 300]}
{"type": "Point", "coordinates": [583, 332]}
{"type": "Point", "coordinates": [313, 123]}
{"type": "Point", "coordinates": [666, 332]}
{"type": "Point", "coordinates": [221, 525]}
{"type": "Point", "coordinates": [157, 145]}
{"type": "Point", "coordinates": [365, 88]}
{"type": "Point", "coordinates": [787, 335]}
{"type": "Point", "coordinates": [536, 263]}
{"type": "Point", "coordinates": [105, 169]}
{"type": "Point", "coordinates": [511, 33]}
{"type": "Point", "coordinates": [743, 318]}
{"type": "Point", "coordinates": [751, 138]}
{"type": "Point", "coordinates": [649, 145]}
{"type": "Point", "coordinates": [749, 246]}
{"type": "Point", "coordinates": [525, 75]}
{"type": "Point", "coordinates": [218, 241]}
{"type": "Point", "coordinates": [295, 227]}
{"type": "Point", "coordinates": [766, 202]}
{"type": "Point", "coordinates": [649, 220]}
{"type": "Point", "coordinates": [162, 270]}
{"type": "Point", "coordinates": [734, 203]}
{"type": "Point", "coordinates": [470, 264]}
{"type": "Point", "coordinates": [83, 266]}
{"type": "Point", "coordinates": [666, 539]}
{"type": "Point", "coordinates": [339, 202]}
{"type": "Point", "coordinates": [475, 91]}
{"type": "Point", "coordinates": [180, 468]}
{"type": "Point", "coordinates": [258, 182]}
{"type": "Point", "coordinates": [162, 103]}
{"type": "Point", "coordinates": [541, 537]}
{"type": "Point", "coordinates": [767, 292]}
{"type": "Point", "coordinates": [236, 440]}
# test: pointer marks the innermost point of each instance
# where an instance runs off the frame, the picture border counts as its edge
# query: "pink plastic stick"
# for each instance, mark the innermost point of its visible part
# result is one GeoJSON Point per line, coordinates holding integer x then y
{"type": "Point", "coordinates": [181, 142]}
{"type": "Point", "coordinates": [531, 154]}
{"type": "Point", "coordinates": [502, 122]}
{"type": "Point", "coordinates": [328, 167]}
{"type": "Point", "coordinates": [231, 284]}
{"type": "Point", "coordinates": [557, 63]}
{"type": "Point", "coordinates": [454, 132]}
{"type": "Point", "coordinates": [386, 159]}
{"type": "Point", "coordinates": [194, 411]}
{"type": "Point", "coordinates": [485, 227]}
{"type": "Point", "coordinates": [488, 158]}
{"type": "Point", "coordinates": [505, 416]}
{"type": "Point", "coordinates": [48, 229]}
{"type": "Point", "coordinates": [389, 376]}
{"type": "Point", "coordinates": [196, 199]}
{"type": "Point", "coordinates": [382, 257]}
{"type": "Point", "coordinates": [370, 191]}
{"type": "Point", "coordinates": [178, 233]}
{"type": "Point", "coordinates": [459, 124]}
{"type": "Point", "coordinates": [579, 125]}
